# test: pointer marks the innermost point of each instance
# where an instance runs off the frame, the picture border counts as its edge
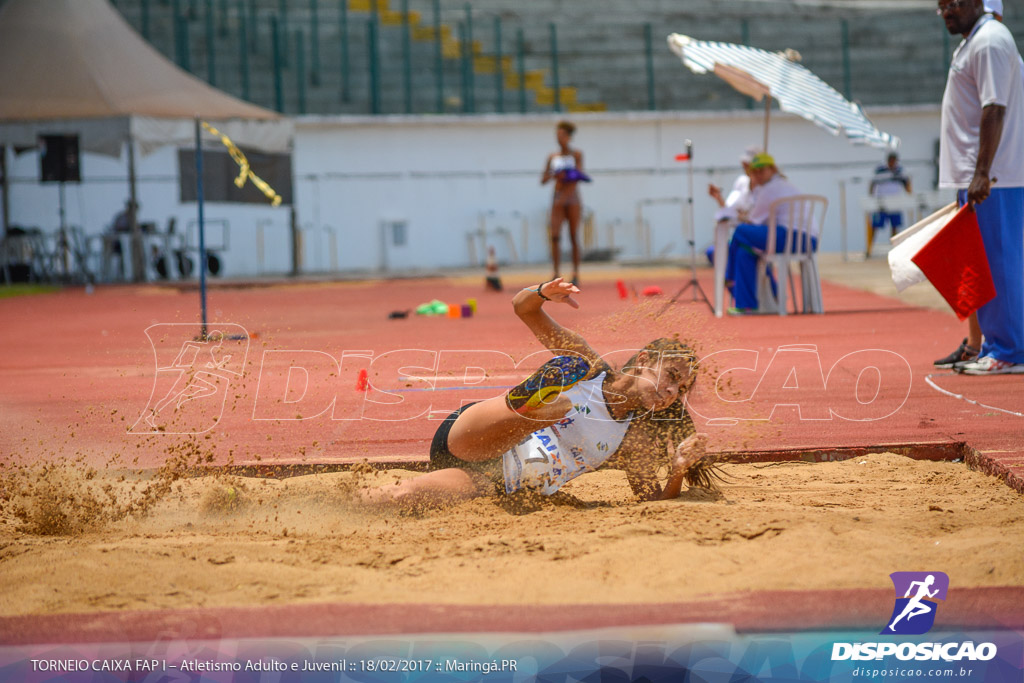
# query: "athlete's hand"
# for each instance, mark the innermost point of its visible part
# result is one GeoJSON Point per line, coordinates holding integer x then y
{"type": "Point", "coordinates": [690, 450]}
{"type": "Point", "coordinates": [560, 292]}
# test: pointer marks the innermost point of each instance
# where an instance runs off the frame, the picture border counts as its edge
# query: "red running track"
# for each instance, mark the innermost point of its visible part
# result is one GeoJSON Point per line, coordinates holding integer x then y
{"type": "Point", "coordinates": [79, 371]}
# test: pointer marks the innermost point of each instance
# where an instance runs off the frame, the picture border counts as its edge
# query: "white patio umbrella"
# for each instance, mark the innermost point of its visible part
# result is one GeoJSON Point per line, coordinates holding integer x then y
{"type": "Point", "coordinates": [777, 75]}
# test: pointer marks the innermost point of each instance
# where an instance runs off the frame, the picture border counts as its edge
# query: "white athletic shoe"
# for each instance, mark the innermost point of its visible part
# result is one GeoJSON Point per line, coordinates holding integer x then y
{"type": "Point", "coordinates": [990, 366]}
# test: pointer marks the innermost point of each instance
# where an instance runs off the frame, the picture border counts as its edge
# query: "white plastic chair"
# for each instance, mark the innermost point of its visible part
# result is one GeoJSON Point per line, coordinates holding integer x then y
{"type": "Point", "coordinates": [797, 214]}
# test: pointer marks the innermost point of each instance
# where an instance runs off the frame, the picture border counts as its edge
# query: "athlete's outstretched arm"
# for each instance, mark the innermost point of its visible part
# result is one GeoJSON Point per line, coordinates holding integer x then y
{"type": "Point", "coordinates": [642, 477]}
{"type": "Point", "coordinates": [528, 305]}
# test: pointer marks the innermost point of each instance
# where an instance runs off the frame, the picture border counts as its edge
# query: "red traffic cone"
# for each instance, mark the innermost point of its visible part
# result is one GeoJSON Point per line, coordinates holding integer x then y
{"type": "Point", "coordinates": [621, 286]}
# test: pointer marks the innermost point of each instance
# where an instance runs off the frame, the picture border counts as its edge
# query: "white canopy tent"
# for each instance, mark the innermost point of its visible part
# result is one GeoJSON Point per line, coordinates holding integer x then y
{"type": "Point", "coordinates": [77, 67]}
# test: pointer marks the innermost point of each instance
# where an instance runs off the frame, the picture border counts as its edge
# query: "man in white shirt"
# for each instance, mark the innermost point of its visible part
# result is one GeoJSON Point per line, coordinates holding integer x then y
{"type": "Point", "coordinates": [982, 143]}
{"type": "Point", "coordinates": [740, 198]}
{"type": "Point", "coordinates": [741, 268]}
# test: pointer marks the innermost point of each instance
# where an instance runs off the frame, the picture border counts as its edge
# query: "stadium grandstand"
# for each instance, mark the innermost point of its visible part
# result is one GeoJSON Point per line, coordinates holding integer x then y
{"type": "Point", "coordinates": [451, 56]}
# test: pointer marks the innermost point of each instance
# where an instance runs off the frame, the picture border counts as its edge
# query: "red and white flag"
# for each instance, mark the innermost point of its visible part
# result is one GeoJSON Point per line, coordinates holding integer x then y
{"type": "Point", "coordinates": [946, 249]}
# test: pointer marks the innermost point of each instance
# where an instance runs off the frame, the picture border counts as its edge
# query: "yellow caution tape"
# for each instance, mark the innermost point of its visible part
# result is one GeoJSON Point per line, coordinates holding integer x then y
{"type": "Point", "coordinates": [244, 170]}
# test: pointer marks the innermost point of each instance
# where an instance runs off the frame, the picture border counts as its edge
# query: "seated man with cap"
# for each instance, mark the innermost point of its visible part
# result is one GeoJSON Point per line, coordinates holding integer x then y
{"type": "Point", "coordinates": [751, 235]}
{"type": "Point", "coordinates": [740, 198]}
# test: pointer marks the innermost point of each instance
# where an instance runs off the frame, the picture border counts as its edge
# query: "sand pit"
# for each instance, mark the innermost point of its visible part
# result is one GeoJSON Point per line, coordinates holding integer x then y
{"type": "Point", "coordinates": [216, 541]}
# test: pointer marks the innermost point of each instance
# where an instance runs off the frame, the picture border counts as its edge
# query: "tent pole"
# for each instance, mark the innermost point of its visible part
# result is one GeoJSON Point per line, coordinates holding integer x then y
{"type": "Point", "coordinates": [293, 222]}
{"type": "Point", "coordinates": [63, 233]}
{"type": "Point", "coordinates": [138, 253]}
{"type": "Point", "coordinates": [5, 190]}
{"type": "Point", "coordinates": [767, 119]}
{"type": "Point", "coordinates": [202, 228]}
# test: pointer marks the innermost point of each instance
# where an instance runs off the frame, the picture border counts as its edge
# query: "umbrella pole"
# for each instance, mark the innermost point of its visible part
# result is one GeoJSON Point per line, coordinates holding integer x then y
{"type": "Point", "coordinates": [138, 249]}
{"type": "Point", "coordinates": [5, 191]}
{"type": "Point", "coordinates": [767, 120]}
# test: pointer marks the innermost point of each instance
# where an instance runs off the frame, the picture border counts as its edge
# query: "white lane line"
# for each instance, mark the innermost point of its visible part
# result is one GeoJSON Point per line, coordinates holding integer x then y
{"type": "Point", "coordinates": [933, 385]}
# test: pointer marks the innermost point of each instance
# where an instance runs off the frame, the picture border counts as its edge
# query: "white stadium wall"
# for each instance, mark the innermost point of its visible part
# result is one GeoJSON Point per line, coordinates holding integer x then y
{"type": "Point", "coordinates": [445, 177]}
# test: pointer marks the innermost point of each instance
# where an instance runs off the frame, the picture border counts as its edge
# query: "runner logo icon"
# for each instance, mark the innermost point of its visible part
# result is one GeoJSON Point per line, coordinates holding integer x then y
{"type": "Point", "coordinates": [916, 595]}
{"type": "Point", "coordinates": [192, 378]}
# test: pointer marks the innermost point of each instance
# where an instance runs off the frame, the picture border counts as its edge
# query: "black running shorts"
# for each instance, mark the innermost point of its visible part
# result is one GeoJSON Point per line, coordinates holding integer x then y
{"type": "Point", "coordinates": [441, 458]}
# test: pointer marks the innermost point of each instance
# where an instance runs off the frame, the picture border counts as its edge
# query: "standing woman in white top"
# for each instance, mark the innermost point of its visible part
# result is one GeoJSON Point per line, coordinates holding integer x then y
{"type": "Point", "coordinates": [573, 415]}
{"type": "Point", "coordinates": [752, 233]}
{"type": "Point", "coordinates": [565, 167]}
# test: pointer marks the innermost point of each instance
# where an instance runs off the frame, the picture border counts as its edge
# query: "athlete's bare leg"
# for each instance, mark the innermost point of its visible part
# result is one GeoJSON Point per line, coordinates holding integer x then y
{"type": "Point", "coordinates": [487, 429]}
{"type": "Point", "coordinates": [913, 609]}
{"type": "Point", "coordinates": [446, 486]}
{"type": "Point", "coordinates": [573, 213]}
{"type": "Point", "coordinates": [554, 236]}
{"type": "Point", "coordinates": [482, 431]}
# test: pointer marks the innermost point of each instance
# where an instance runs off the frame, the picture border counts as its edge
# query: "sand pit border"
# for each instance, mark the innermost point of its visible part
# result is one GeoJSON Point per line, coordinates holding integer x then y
{"type": "Point", "coordinates": [944, 451]}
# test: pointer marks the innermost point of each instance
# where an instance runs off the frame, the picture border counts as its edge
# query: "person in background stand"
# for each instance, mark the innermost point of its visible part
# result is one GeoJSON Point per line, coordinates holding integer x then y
{"type": "Point", "coordinates": [565, 167]}
{"type": "Point", "coordinates": [889, 181]}
{"type": "Point", "coordinates": [121, 225]}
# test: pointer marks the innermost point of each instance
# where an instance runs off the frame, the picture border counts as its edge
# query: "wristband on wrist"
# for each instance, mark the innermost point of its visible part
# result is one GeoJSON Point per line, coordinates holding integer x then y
{"type": "Point", "coordinates": [539, 292]}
